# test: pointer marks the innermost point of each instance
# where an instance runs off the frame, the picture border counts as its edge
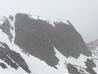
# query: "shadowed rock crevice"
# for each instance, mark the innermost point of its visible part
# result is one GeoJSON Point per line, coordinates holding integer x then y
{"type": "Point", "coordinates": [12, 58]}
{"type": "Point", "coordinates": [39, 38]}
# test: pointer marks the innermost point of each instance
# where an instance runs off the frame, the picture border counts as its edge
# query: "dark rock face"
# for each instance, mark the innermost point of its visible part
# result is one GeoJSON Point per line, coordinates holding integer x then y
{"type": "Point", "coordinates": [33, 36]}
{"type": "Point", "coordinates": [90, 65]}
{"type": "Point", "coordinates": [3, 65]}
{"type": "Point", "coordinates": [39, 38]}
{"type": "Point", "coordinates": [12, 58]}
{"type": "Point", "coordinates": [72, 69]}
{"type": "Point", "coordinates": [68, 41]}
{"type": "Point", "coordinates": [75, 69]}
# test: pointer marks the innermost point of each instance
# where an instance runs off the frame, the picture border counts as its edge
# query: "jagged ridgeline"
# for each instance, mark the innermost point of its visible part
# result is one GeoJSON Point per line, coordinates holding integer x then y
{"type": "Point", "coordinates": [39, 37]}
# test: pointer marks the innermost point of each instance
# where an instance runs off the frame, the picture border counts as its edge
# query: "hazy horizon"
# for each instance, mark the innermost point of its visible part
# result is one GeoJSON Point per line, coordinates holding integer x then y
{"type": "Point", "coordinates": [82, 13]}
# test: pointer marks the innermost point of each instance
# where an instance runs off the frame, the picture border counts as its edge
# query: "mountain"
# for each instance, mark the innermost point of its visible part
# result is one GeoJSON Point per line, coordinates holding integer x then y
{"type": "Point", "coordinates": [93, 44]}
{"type": "Point", "coordinates": [36, 46]}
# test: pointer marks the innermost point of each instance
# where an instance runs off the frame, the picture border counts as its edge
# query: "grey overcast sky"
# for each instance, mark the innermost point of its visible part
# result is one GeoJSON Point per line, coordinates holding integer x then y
{"type": "Point", "coordinates": [82, 13]}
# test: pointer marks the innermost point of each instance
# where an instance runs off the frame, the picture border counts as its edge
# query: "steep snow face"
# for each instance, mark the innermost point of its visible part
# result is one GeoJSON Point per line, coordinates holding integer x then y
{"type": "Point", "coordinates": [41, 48]}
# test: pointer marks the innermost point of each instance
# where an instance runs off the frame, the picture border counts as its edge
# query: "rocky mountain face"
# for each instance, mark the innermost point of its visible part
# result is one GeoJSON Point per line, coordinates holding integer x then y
{"type": "Point", "coordinates": [40, 39]}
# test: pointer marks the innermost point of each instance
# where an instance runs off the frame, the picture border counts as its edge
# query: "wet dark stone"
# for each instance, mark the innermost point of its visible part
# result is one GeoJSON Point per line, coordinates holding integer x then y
{"type": "Point", "coordinates": [3, 65]}
{"type": "Point", "coordinates": [12, 58]}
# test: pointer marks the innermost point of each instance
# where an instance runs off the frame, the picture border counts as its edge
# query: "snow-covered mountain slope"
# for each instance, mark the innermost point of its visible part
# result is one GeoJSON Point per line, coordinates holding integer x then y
{"type": "Point", "coordinates": [35, 46]}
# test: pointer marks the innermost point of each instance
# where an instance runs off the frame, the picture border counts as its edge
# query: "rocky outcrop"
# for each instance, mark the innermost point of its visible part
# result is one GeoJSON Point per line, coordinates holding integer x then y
{"type": "Point", "coordinates": [75, 69]}
{"type": "Point", "coordinates": [33, 36]}
{"type": "Point", "coordinates": [68, 41]}
{"type": "Point", "coordinates": [90, 65]}
{"type": "Point", "coordinates": [3, 65]}
{"type": "Point", "coordinates": [12, 58]}
{"type": "Point", "coordinates": [6, 27]}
